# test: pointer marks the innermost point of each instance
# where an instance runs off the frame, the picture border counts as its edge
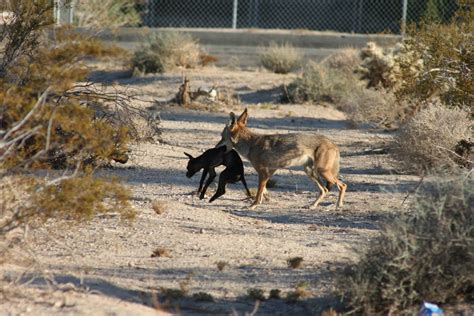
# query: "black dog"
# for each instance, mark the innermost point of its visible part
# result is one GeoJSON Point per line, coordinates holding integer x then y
{"type": "Point", "coordinates": [212, 158]}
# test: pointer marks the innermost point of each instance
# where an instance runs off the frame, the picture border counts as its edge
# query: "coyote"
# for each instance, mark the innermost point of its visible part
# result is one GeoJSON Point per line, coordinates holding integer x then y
{"type": "Point", "coordinates": [267, 153]}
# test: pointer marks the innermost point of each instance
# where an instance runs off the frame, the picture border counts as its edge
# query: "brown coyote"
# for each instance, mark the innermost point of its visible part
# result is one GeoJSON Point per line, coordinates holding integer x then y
{"type": "Point", "coordinates": [267, 153]}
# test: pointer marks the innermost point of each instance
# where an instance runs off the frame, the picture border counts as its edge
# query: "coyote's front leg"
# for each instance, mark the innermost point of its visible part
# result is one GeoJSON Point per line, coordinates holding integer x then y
{"type": "Point", "coordinates": [263, 176]}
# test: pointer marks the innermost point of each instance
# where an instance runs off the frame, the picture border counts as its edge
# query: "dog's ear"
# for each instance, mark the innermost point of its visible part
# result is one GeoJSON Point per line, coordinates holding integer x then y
{"type": "Point", "coordinates": [243, 117]}
{"type": "Point", "coordinates": [232, 118]}
{"type": "Point", "coordinates": [189, 156]}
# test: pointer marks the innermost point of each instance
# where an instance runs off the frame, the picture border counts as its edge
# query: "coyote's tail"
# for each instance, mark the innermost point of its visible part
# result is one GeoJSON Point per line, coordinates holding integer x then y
{"type": "Point", "coordinates": [335, 171]}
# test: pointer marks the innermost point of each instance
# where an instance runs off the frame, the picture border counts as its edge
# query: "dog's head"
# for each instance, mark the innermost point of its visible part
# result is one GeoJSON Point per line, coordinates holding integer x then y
{"type": "Point", "coordinates": [192, 166]}
{"type": "Point", "coordinates": [230, 133]}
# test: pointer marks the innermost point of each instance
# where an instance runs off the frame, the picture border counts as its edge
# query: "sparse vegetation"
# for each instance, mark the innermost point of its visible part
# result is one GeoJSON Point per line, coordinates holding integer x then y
{"type": "Point", "coordinates": [105, 13]}
{"type": "Point", "coordinates": [256, 294]}
{"type": "Point", "coordinates": [346, 60]}
{"type": "Point", "coordinates": [203, 297]}
{"type": "Point", "coordinates": [295, 262]}
{"type": "Point", "coordinates": [161, 252]}
{"type": "Point", "coordinates": [301, 291]}
{"type": "Point", "coordinates": [49, 121]}
{"type": "Point", "coordinates": [221, 265]}
{"type": "Point", "coordinates": [422, 255]}
{"type": "Point", "coordinates": [281, 59]}
{"type": "Point", "coordinates": [428, 140]}
{"type": "Point", "coordinates": [275, 294]}
{"type": "Point", "coordinates": [159, 207]}
{"type": "Point", "coordinates": [167, 50]}
{"type": "Point", "coordinates": [319, 83]}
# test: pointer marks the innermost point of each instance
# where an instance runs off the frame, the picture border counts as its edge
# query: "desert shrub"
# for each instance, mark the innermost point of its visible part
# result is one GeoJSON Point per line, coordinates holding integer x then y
{"type": "Point", "coordinates": [346, 60]}
{"type": "Point", "coordinates": [280, 59]}
{"type": "Point", "coordinates": [105, 13]}
{"type": "Point", "coordinates": [48, 122]}
{"type": "Point", "coordinates": [319, 83]}
{"type": "Point", "coordinates": [167, 50]}
{"type": "Point", "coordinates": [427, 140]}
{"type": "Point", "coordinates": [369, 106]}
{"type": "Point", "coordinates": [425, 254]}
{"type": "Point", "coordinates": [376, 65]}
{"type": "Point", "coordinates": [443, 55]}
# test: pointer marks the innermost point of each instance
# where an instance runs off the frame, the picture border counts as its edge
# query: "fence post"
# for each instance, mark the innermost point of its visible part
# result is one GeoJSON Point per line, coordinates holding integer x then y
{"type": "Point", "coordinates": [234, 14]}
{"type": "Point", "coordinates": [404, 17]}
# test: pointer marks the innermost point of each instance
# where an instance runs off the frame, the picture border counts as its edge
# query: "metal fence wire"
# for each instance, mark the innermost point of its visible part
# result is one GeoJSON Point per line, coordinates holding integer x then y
{"type": "Point", "coordinates": [353, 16]}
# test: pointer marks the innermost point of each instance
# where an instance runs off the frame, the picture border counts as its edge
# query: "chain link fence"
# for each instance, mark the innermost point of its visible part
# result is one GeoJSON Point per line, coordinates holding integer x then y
{"type": "Point", "coordinates": [353, 16]}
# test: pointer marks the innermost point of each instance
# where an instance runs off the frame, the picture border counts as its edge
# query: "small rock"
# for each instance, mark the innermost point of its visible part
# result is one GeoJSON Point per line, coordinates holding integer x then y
{"type": "Point", "coordinates": [202, 231]}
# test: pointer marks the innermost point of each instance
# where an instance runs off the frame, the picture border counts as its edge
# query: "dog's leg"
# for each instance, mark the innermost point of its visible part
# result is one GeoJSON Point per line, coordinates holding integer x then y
{"type": "Point", "coordinates": [212, 175]}
{"type": "Point", "coordinates": [242, 178]}
{"type": "Point", "coordinates": [203, 177]}
{"type": "Point", "coordinates": [221, 187]}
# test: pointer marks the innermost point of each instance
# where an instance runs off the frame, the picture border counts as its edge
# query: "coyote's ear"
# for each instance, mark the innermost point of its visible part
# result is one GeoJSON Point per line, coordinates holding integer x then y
{"type": "Point", "coordinates": [232, 118]}
{"type": "Point", "coordinates": [243, 117]}
{"type": "Point", "coordinates": [189, 156]}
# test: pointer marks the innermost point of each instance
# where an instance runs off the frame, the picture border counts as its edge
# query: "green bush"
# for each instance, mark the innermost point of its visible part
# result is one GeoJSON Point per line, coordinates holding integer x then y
{"type": "Point", "coordinates": [281, 59]}
{"type": "Point", "coordinates": [423, 255]}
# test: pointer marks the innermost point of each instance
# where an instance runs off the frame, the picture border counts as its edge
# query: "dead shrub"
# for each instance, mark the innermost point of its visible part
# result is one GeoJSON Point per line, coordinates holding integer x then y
{"type": "Point", "coordinates": [281, 59]}
{"type": "Point", "coordinates": [319, 83]}
{"type": "Point", "coordinates": [159, 207]}
{"type": "Point", "coordinates": [167, 50]}
{"type": "Point", "coordinates": [256, 294]}
{"type": "Point", "coordinates": [161, 252]}
{"type": "Point", "coordinates": [345, 60]}
{"type": "Point", "coordinates": [301, 291]}
{"type": "Point", "coordinates": [105, 13]}
{"type": "Point", "coordinates": [369, 106]}
{"type": "Point", "coordinates": [427, 141]}
{"type": "Point", "coordinates": [221, 265]}
{"type": "Point", "coordinates": [422, 255]}
{"type": "Point", "coordinates": [295, 262]}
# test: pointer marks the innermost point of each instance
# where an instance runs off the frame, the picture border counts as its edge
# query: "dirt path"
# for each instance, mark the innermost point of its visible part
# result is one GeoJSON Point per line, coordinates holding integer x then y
{"type": "Point", "coordinates": [105, 267]}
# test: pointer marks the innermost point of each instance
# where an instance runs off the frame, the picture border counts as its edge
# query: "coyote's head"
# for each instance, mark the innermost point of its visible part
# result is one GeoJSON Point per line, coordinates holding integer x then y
{"type": "Point", "coordinates": [230, 133]}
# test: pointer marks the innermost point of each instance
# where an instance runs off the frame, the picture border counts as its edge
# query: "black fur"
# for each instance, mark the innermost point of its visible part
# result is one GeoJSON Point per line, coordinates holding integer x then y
{"type": "Point", "coordinates": [211, 159]}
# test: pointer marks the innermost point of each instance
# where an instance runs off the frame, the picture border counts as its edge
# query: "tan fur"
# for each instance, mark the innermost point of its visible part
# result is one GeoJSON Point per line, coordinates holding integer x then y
{"type": "Point", "coordinates": [267, 153]}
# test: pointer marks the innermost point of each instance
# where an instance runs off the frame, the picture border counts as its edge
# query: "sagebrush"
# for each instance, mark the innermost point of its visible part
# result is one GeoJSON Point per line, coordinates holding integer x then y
{"type": "Point", "coordinates": [105, 13]}
{"type": "Point", "coordinates": [422, 255]}
{"type": "Point", "coordinates": [427, 141]}
{"type": "Point", "coordinates": [167, 50]}
{"type": "Point", "coordinates": [281, 59]}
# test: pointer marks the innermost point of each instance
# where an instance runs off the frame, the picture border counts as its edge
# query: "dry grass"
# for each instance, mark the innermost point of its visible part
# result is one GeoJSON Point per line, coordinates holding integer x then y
{"type": "Point", "coordinates": [378, 108]}
{"type": "Point", "coordinates": [295, 262]}
{"type": "Point", "coordinates": [166, 51]}
{"type": "Point", "coordinates": [301, 291]}
{"type": "Point", "coordinates": [159, 207]}
{"type": "Point", "coordinates": [281, 59]}
{"type": "Point", "coordinates": [345, 60]}
{"type": "Point", "coordinates": [221, 265]}
{"type": "Point", "coordinates": [161, 252]}
{"type": "Point", "coordinates": [105, 13]}
{"type": "Point", "coordinates": [424, 254]}
{"type": "Point", "coordinates": [427, 140]}
{"type": "Point", "coordinates": [319, 83]}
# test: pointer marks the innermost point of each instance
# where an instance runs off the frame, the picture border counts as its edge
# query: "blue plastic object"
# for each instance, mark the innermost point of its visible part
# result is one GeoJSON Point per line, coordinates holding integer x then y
{"type": "Point", "coordinates": [429, 309]}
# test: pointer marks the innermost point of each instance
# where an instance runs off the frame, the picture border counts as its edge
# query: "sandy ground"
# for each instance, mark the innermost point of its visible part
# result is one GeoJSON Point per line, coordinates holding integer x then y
{"type": "Point", "coordinates": [105, 267]}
